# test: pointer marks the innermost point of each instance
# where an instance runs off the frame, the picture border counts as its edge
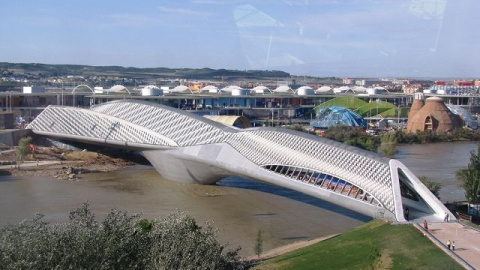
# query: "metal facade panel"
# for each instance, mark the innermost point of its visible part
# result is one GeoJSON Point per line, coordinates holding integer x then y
{"type": "Point", "coordinates": [147, 123]}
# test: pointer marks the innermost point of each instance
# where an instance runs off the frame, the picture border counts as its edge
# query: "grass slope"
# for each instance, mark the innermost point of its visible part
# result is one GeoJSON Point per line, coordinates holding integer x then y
{"type": "Point", "coordinates": [392, 113]}
{"type": "Point", "coordinates": [374, 108]}
{"type": "Point", "coordinates": [375, 245]}
{"type": "Point", "coordinates": [347, 102]}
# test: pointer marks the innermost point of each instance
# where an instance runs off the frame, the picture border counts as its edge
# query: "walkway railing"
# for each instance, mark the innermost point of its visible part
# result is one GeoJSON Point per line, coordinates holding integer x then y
{"type": "Point", "coordinates": [324, 181]}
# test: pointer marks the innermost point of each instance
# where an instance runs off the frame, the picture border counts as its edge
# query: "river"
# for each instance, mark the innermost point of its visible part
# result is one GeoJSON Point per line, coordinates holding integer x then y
{"type": "Point", "coordinates": [438, 161]}
{"type": "Point", "coordinates": [239, 208]}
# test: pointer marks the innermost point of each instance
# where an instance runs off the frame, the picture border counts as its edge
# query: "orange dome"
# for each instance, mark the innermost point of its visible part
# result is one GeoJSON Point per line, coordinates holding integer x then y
{"type": "Point", "coordinates": [434, 116]}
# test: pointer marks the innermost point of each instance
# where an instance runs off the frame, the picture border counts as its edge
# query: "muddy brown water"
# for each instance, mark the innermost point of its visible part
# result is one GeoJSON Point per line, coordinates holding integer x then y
{"type": "Point", "coordinates": [238, 207]}
{"type": "Point", "coordinates": [438, 161]}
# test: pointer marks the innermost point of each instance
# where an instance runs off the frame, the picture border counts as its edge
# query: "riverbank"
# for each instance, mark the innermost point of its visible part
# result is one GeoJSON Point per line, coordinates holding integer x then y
{"type": "Point", "coordinates": [60, 163]}
{"type": "Point", "coordinates": [375, 245]}
{"type": "Point", "coordinates": [253, 260]}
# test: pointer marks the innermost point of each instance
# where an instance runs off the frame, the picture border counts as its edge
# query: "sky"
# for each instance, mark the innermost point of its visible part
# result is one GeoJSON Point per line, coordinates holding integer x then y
{"type": "Point", "coordinates": [343, 38]}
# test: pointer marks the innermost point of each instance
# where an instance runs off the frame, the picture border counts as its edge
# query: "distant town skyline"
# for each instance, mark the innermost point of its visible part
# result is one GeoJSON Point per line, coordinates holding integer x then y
{"type": "Point", "coordinates": [351, 38]}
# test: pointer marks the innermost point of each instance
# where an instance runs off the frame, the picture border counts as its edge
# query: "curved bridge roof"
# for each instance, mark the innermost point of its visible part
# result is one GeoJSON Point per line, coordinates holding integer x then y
{"type": "Point", "coordinates": [281, 156]}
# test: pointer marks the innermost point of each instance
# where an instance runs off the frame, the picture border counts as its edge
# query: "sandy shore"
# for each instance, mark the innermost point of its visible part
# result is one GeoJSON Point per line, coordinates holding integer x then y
{"type": "Point", "coordinates": [285, 249]}
{"type": "Point", "coordinates": [60, 163]}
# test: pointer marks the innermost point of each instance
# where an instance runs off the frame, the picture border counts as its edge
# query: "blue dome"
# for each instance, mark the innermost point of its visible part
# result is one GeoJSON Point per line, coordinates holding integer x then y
{"type": "Point", "coordinates": [337, 116]}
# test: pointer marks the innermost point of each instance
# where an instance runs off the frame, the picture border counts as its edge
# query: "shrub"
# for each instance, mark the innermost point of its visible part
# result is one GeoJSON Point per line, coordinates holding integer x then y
{"type": "Point", "coordinates": [354, 136]}
{"type": "Point", "coordinates": [121, 241]}
{"type": "Point", "coordinates": [23, 148]}
{"type": "Point", "coordinates": [258, 248]}
{"type": "Point", "coordinates": [460, 134]}
{"type": "Point", "coordinates": [388, 145]}
{"type": "Point", "coordinates": [300, 128]}
{"type": "Point", "coordinates": [432, 185]}
{"type": "Point", "coordinates": [469, 179]}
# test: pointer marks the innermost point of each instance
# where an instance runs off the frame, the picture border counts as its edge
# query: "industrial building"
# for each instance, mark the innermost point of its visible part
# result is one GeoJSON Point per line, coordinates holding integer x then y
{"type": "Point", "coordinates": [260, 104]}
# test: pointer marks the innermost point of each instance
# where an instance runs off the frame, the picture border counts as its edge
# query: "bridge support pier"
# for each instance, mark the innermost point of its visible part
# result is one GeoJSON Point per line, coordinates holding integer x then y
{"type": "Point", "coordinates": [178, 168]}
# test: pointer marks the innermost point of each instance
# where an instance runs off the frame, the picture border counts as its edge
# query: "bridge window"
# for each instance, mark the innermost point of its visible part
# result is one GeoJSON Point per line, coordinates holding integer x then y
{"type": "Point", "coordinates": [405, 190]}
{"type": "Point", "coordinates": [323, 181]}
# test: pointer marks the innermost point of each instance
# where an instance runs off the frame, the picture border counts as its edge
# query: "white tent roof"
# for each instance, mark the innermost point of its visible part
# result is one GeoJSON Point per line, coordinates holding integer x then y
{"type": "Point", "coordinates": [324, 89]}
{"type": "Point", "coordinates": [117, 89]}
{"type": "Point", "coordinates": [305, 87]}
{"type": "Point", "coordinates": [359, 89]}
{"type": "Point", "coordinates": [283, 89]}
{"type": "Point", "coordinates": [180, 89]}
{"type": "Point", "coordinates": [208, 88]}
{"type": "Point", "coordinates": [230, 88]}
{"type": "Point", "coordinates": [305, 90]}
{"type": "Point", "coordinates": [261, 89]}
{"type": "Point", "coordinates": [341, 89]}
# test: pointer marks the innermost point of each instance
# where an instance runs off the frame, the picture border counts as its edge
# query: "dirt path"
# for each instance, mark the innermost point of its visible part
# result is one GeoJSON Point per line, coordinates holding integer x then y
{"type": "Point", "coordinates": [287, 248]}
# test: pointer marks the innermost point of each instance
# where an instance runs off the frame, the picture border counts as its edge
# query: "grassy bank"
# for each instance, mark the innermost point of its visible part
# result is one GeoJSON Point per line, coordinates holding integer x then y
{"type": "Point", "coordinates": [375, 245]}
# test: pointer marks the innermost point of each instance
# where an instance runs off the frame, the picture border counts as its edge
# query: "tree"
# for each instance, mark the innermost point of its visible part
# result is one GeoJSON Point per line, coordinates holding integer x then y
{"type": "Point", "coordinates": [388, 144]}
{"type": "Point", "coordinates": [259, 244]}
{"type": "Point", "coordinates": [354, 136]}
{"type": "Point", "coordinates": [433, 186]}
{"type": "Point", "coordinates": [23, 148]}
{"type": "Point", "coordinates": [120, 241]}
{"type": "Point", "coordinates": [469, 178]}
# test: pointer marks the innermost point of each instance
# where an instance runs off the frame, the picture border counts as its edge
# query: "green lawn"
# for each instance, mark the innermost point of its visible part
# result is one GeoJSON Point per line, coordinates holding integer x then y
{"type": "Point", "coordinates": [374, 108]}
{"type": "Point", "coordinates": [347, 102]}
{"type": "Point", "coordinates": [375, 245]}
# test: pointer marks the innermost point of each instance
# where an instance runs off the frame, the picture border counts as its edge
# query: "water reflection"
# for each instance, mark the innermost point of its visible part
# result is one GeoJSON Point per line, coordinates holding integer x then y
{"type": "Point", "coordinates": [291, 194]}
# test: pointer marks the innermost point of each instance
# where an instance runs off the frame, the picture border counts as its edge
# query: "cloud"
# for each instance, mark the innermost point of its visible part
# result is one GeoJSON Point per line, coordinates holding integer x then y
{"type": "Point", "coordinates": [182, 12]}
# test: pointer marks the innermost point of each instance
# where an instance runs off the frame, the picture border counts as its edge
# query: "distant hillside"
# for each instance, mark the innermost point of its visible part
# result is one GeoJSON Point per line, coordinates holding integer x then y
{"type": "Point", "coordinates": [46, 70]}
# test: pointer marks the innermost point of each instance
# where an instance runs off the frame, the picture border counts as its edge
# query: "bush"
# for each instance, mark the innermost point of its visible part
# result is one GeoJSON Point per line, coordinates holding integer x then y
{"type": "Point", "coordinates": [468, 177]}
{"type": "Point", "coordinates": [354, 136]}
{"type": "Point", "coordinates": [388, 145]}
{"type": "Point", "coordinates": [121, 241]}
{"type": "Point", "coordinates": [300, 128]}
{"type": "Point", "coordinates": [432, 185]}
{"type": "Point", "coordinates": [460, 134]}
{"type": "Point", "coordinates": [258, 248]}
{"type": "Point", "coordinates": [23, 148]}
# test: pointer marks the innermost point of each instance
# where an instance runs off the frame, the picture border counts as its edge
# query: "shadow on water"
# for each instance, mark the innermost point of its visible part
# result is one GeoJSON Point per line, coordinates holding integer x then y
{"type": "Point", "coordinates": [265, 214]}
{"type": "Point", "coordinates": [7, 178]}
{"type": "Point", "coordinates": [243, 183]}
